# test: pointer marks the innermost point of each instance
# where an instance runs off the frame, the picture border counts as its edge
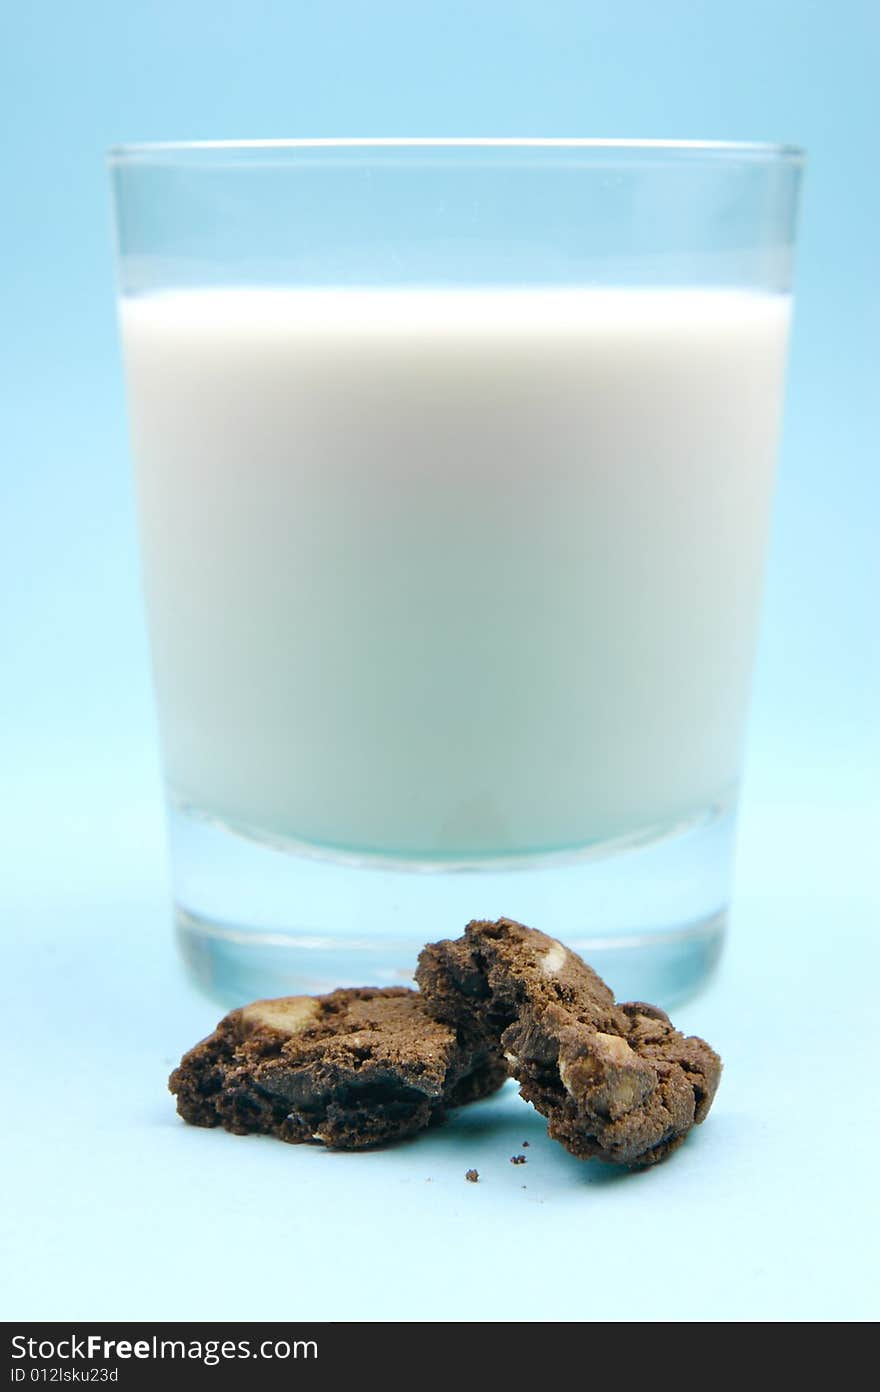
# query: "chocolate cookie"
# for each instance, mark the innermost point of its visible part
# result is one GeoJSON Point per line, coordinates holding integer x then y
{"type": "Point", "coordinates": [354, 1068]}
{"type": "Point", "coordinates": [614, 1081]}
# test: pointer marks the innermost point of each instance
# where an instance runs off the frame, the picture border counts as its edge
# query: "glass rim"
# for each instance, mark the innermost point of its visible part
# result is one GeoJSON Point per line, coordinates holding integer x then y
{"type": "Point", "coordinates": [714, 150]}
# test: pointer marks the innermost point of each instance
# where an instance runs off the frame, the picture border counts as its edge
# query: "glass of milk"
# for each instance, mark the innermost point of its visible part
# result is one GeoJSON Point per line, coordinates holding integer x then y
{"type": "Point", "coordinates": [454, 462]}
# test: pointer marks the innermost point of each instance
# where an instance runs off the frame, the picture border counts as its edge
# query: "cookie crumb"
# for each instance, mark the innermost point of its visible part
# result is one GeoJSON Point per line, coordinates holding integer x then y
{"type": "Point", "coordinates": [472, 1175]}
{"type": "Point", "coordinates": [525, 1143]}
{"type": "Point", "coordinates": [517, 1159]}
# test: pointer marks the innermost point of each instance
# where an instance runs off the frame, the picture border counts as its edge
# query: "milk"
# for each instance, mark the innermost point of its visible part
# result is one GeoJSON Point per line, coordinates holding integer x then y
{"type": "Point", "coordinates": [453, 574]}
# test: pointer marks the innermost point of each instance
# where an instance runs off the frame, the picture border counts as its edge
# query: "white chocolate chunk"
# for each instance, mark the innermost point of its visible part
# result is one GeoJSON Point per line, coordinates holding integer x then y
{"type": "Point", "coordinates": [290, 1014]}
{"type": "Point", "coordinates": [610, 1049]}
{"type": "Point", "coordinates": [565, 1078]}
{"type": "Point", "coordinates": [608, 1068]}
{"type": "Point", "coordinates": [553, 960]}
{"type": "Point", "coordinates": [616, 1048]}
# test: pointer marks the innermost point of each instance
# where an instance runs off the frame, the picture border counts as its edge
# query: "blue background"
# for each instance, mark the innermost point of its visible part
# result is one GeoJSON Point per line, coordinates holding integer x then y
{"type": "Point", "coordinates": [83, 911]}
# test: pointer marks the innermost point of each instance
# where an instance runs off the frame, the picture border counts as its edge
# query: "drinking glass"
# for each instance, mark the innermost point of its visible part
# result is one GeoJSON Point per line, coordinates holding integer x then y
{"type": "Point", "coordinates": [454, 462]}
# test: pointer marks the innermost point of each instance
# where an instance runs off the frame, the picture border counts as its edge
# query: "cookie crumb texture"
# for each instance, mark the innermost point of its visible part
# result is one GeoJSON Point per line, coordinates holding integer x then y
{"type": "Point", "coordinates": [617, 1082]}
{"type": "Point", "coordinates": [472, 1176]}
{"type": "Point", "coordinates": [352, 1069]}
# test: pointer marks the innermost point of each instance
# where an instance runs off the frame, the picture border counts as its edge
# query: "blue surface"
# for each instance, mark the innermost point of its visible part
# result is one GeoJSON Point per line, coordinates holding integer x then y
{"type": "Point", "coordinates": [112, 1208]}
{"type": "Point", "coordinates": [118, 1210]}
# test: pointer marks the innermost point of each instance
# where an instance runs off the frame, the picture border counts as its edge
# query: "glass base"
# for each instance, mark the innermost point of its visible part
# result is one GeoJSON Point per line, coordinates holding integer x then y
{"type": "Point", "coordinates": [261, 920]}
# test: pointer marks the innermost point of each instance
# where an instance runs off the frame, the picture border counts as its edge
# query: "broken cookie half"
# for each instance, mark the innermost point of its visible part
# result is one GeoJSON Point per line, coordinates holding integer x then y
{"type": "Point", "coordinates": [618, 1082]}
{"type": "Point", "coordinates": [352, 1069]}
